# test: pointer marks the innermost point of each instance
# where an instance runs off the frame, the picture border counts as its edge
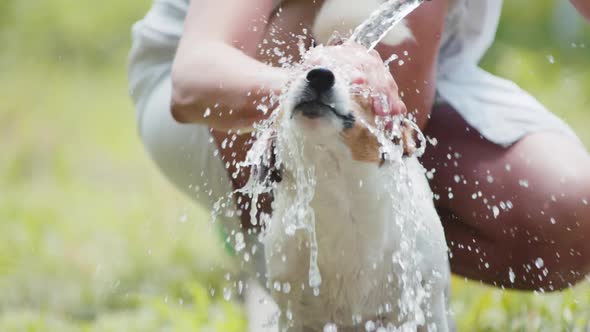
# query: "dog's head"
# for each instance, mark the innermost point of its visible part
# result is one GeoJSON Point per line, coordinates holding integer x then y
{"type": "Point", "coordinates": [326, 107]}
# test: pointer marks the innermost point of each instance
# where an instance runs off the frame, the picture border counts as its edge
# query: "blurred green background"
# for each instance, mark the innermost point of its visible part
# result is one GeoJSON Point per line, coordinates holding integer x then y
{"type": "Point", "coordinates": [92, 238]}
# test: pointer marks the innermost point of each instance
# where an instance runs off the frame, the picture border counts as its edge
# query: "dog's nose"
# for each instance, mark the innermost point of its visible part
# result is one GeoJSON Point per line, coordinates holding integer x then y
{"type": "Point", "coordinates": [320, 79]}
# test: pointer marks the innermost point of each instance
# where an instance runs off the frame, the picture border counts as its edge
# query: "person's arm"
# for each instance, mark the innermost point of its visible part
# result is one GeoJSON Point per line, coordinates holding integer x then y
{"type": "Point", "coordinates": [415, 74]}
{"type": "Point", "coordinates": [212, 69]}
{"type": "Point", "coordinates": [583, 6]}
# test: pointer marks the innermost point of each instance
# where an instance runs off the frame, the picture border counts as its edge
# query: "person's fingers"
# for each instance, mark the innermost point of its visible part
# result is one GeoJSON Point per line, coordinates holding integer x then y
{"type": "Point", "coordinates": [386, 101]}
{"type": "Point", "coordinates": [398, 107]}
{"type": "Point", "coordinates": [358, 78]}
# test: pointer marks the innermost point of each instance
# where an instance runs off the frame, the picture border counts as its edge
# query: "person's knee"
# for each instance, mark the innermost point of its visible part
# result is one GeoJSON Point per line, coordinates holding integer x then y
{"type": "Point", "coordinates": [564, 245]}
{"type": "Point", "coordinates": [548, 231]}
{"type": "Point", "coordinates": [576, 221]}
{"type": "Point", "coordinates": [568, 206]}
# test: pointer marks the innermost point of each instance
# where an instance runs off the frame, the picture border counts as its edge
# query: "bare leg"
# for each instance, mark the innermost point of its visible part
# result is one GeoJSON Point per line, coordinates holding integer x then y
{"type": "Point", "coordinates": [516, 217]}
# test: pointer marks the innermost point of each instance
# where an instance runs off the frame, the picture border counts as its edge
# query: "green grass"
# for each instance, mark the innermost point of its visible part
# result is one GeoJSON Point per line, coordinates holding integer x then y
{"type": "Point", "coordinates": [89, 229]}
{"type": "Point", "coordinates": [92, 237]}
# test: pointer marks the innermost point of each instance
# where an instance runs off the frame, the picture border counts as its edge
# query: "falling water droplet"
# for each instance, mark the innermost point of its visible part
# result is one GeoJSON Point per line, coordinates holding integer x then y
{"type": "Point", "coordinates": [496, 211]}
{"type": "Point", "coordinates": [240, 243]}
{"type": "Point", "coordinates": [511, 275]}
{"type": "Point", "coordinates": [227, 293]}
{"type": "Point", "coordinates": [539, 263]}
{"type": "Point", "coordinates": [330, 328]}
{"type": "Point", "coordinates": [316, 291]}
{"type": "Point", "coordinates": [392, 58]}
{"type": "Point", "coordinates": [286, 288]}
{"type": "Point", "coordinates": [357, 319]}
{"type": "Point", "coordinates": [240, 286]}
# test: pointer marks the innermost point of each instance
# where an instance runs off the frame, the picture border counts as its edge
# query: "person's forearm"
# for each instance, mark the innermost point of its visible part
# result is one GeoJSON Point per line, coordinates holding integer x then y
{"type": "Point", "coordinates": [583, 6]}
{"type": "Point", "coordinates": [415, 72]}
{"type": "Point", "coordinates": [212, 69]}
{"type": "Point", "coordinates": [217, 76]}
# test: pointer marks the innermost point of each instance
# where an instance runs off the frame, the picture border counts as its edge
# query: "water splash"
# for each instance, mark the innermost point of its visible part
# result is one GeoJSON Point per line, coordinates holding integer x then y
{"type": "Point", "coordinates": [511, 275]}
{"type": "Point", "coordinates": [414, 289]}
{"type": "Point", "coordinates": [372, 30]}
{"type": "Point", "coordinates": [277, 146]}
{"type": "Point", "coordinates": [298, 215]}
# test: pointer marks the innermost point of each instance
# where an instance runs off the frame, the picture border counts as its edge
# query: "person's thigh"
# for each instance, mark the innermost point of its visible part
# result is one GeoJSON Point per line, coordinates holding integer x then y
{"type": "Point", "coordinates": [518, 217]}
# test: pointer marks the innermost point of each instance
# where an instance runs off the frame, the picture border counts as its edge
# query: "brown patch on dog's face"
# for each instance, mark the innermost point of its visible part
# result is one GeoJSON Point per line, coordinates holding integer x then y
{"type": "Point", "coordinates": [364, 145]}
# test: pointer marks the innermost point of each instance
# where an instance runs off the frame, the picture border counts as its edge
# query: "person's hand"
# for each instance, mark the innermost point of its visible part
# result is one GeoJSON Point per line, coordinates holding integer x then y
{"type": "Point", "coordinates": [367, 75]}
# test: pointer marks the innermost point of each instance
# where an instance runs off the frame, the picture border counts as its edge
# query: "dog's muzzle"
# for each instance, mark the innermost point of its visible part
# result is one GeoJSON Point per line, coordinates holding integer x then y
{"type": "Point", "coordinates": [317, 96]}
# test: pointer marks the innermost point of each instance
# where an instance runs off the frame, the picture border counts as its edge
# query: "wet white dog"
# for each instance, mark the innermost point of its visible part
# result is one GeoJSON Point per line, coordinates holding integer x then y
{"type": "Point", "coordinates": [378, 243]}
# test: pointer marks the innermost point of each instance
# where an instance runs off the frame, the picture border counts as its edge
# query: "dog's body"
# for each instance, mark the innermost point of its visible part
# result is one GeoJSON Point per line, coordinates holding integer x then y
{"type": "Point", "coordinates": [359, 226]}
{"type": "Point", "coordinates": [357, 238]}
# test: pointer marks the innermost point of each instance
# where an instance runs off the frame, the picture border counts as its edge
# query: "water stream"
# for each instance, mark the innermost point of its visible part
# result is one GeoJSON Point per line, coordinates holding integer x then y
{"type": "Point", "coordinates": [381, 21]}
